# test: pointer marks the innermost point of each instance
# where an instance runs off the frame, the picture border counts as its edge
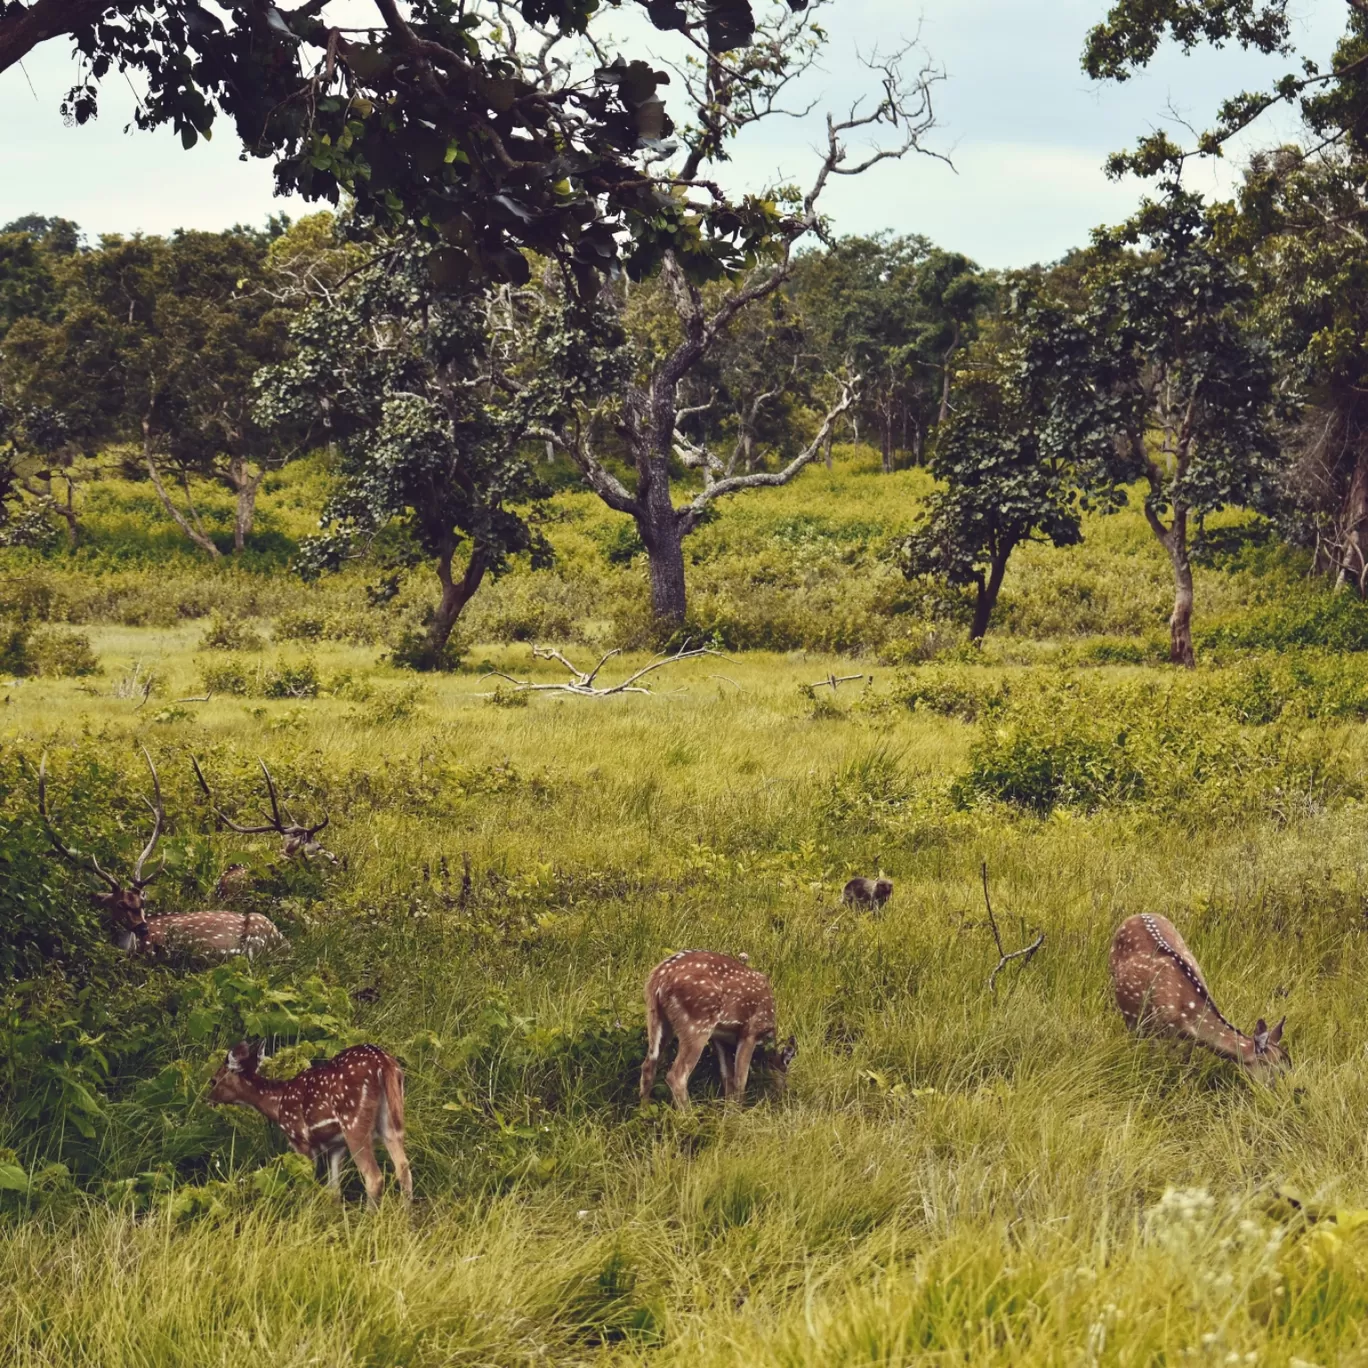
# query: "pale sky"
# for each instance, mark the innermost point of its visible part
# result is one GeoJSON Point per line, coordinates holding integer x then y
{"type": "Point", "coordinates": [1026, 130]}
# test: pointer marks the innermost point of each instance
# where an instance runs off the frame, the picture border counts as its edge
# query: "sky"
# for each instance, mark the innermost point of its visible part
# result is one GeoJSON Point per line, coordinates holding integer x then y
{"type": "Point", "coordinates": [1024, 131]}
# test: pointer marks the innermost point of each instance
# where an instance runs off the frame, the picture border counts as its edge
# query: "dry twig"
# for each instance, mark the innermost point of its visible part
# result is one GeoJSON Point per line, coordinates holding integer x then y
{"type": "Point", "coordinates": [834, 681]}
{"type": "Point", "coordinates": [1025, 954]}
{"type": "Point", "coordinates": [582, 681]}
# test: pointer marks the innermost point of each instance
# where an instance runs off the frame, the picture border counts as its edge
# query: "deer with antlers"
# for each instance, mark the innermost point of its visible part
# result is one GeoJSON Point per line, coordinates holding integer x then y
{"type": "Point", "coordinates": [1161, 990]}
{"type": "Point", "coordinates": [699, 997]}
{"type": "Point", "coordinates": [211, 935]}
{"type": "Point", "coordinates": [301, 841]}
{"type": "Point", "coordinates": [340, 1104]}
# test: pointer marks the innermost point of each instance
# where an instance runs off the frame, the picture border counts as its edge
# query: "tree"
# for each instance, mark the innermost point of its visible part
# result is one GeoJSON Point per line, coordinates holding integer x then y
{"type": "Point", "coordinates": [423, 118]}
{"type": "Point", "coordinates": [430, 395]}
{"type": "Point", "coordinates": [157, 342]}
{"type": "Point", "coordinates": [1158, 379]}
{"type": "Point", "coordinates": [1001, 488]}
{"type": "Point", "coordinates": [726, 97]}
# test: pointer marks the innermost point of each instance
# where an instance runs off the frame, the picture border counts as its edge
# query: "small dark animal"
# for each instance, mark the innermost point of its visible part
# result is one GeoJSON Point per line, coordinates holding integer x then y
{"type": "Point", "coordinates": [699, 996]}
{"type": "Point", "coordinates": [341, 1104]}
{"type": "Point", "coordinates": [1161, 990]}
{"type": "Point", "coordinates": [867, 892]}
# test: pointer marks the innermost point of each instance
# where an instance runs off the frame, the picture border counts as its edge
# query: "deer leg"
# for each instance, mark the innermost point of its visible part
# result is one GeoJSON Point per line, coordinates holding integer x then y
{"type": "Point", "coordinates": [690, 1049]}
{"type": "Point", "coordinates": [335, 1171]}
{"type": "Point", "coordinates": [361, 1143]}
{"type": "Point", "coordinates": [726, 1064]}
{"type": "Point", "coordinates": [393, 1138]}
{"type": "Point", "coordinates": [745, 1048]}
{"type": "Point", "coordinates": [656, 1032]}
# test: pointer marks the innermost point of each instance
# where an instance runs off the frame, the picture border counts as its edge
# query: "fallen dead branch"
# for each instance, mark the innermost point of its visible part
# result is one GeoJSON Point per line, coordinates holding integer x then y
{"type": "Point", "coordinates": [834, 681]}
{"type": "Point", "coordinates": [1025, 954]}
{"type": "Point", "coordinates": [582, 682]}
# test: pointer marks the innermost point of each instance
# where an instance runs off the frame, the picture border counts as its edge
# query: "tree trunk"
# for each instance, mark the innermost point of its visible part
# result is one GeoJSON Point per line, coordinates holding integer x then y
{"type": "Point", "coordinates": [886, 435]}
{"type": "Point", "coordinates": [945, 375]}
{"type": "Point", "coordinates": [664, 542]}
{"type": "Point", "coordinates": [987, 597]}
{"type": "Point", "coordinates": [244, 484]}
{"type": "Point", "coordinates": [455, 595]}
{"type": "Point", "coordinates": [1174, 541]}
{"type": "Point", "coordinates": [196, 535]}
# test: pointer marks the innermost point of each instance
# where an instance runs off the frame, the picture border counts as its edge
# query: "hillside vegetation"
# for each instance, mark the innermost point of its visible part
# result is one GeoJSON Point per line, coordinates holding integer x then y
{"type": "Point", "coordinates": [952, 1174]}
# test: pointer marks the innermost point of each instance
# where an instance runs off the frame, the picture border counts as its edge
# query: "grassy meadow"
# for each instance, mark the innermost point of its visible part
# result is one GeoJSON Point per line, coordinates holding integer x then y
{"type": "Point", "coordinates": [952, 1175]}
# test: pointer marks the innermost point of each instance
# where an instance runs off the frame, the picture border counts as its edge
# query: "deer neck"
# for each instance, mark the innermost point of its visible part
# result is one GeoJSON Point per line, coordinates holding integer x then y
{"type": "Point", "coordinates": [265, 1096]}
{"type": "Point", "coordinates": [1216, 1034]}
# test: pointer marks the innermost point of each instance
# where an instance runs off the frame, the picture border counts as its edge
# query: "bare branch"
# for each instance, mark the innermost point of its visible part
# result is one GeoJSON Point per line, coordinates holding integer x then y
{"type": "Point", "coordinates": [1025, 954]}
{"type": "Point", "coordinates": [581, 682]}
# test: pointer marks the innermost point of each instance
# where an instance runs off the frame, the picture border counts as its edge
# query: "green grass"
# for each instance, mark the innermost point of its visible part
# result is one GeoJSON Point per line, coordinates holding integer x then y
{"type": "Point", "coordinates": [950, 1176]}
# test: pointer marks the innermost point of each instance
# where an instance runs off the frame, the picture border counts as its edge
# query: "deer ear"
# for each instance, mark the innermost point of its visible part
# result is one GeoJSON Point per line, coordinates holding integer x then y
{"type": "Point", "coordinates": [257, 1053]}
{"type": "Point", "coordinates": [1260, 1036]}
{"type": "Point", "coordinates": [1275, 1035]}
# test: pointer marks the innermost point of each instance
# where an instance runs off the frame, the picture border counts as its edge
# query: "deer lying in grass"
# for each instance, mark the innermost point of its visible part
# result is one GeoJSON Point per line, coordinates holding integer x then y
{"type": "Point", "coordinates": [1161, 990]}
{"type": "Point", "coordinates": [300, 841]}
{"type": "Point", "coordinates": [699, 996]}
{"type": "Point", "coordinates": [210, 935]}
{"type": "Point", "coordinates": [867, 892]}
{"type": "Point", "coordinates": [343, 1103]}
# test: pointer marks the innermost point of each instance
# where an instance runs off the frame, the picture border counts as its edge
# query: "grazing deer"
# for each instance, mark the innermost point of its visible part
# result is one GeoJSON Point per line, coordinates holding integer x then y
{"type": "Point", "coordinates": [301, 842]}
{"type": "Point", "coordinates": [1161, 990]}
{"type": "Point", "coordinates": [339, 1104]}
{"type": "Point", "coordinates": [867, 892]}
{"type": "Point", "coordinates": [235, 880]}
{"type": "Point", "coordinates": [699, 996]}
{"type": "Point", "coordinates": [216, 934]}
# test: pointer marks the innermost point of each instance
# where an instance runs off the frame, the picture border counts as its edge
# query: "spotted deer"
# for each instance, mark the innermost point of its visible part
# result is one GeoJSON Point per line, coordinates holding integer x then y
{"type": "Point", "coordinates": [300, 841]}
{"type": "Point", "coordinates": [699, 996]}
{"type": "Point", "coordinates": [209, 935]}
{"type": "Point", "coordinates": [1161, 990]}
{"type": "Point", "coordinates": [862, 892]}
{"type": "Point", "coordinates": [340, 1104]}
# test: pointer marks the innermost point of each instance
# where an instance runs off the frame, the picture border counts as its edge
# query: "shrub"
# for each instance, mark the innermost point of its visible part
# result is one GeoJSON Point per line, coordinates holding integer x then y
{"type": "Point", "coordinates": [15, 657]}
{"type": "Point", "coordinates": [962, 693]}
{"type": "Point", "coordinates": [1332, 621]}
{"type": "Point", "coordinates": [413, 651]}
{"type": "Point", "coordinates": [231, 676]}
{"type": "Point", "coordinates": [59, 653]}
{"type": "Point", "coordinates": [292, 681]}
{"type": "Point", "coordinates": [230, 634]}
{"type": "Point", "coordinates": [300, 626]}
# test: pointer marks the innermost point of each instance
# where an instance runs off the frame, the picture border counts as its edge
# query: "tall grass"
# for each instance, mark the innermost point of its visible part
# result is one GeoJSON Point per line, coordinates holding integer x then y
{"type": "Point", "coordinates": [952, 1175]}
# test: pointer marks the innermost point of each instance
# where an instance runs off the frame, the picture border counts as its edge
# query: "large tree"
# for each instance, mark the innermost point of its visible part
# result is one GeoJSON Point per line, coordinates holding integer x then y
{"type": "Point", "coordinates": [418, 111]}
{"type": "Point", "coordinates": [431, 395]}
{"type": "Point", "coordinates": [1158, 379]}
{"type": "Point", "coordinates": [648, 421]}
{"type": "Point", "coordinates": [1001, 484]}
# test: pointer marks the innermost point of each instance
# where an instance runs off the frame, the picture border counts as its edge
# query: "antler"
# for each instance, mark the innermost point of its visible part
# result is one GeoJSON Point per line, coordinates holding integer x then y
{"type": "Point", "coordinates": [66, 852]}
{"type": "Point", "coordinates": [291, 831]}
{"type": "Point", "coordinates": [158, 818]}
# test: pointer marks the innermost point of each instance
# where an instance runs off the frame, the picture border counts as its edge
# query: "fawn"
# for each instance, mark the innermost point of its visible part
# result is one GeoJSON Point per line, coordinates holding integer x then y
{"type": "Point", "coordinates": [1160, 989]}
{"type": "Point", "coordinates": [341, 1103]}
{"type": "Point", "coordinates": [699, 996]}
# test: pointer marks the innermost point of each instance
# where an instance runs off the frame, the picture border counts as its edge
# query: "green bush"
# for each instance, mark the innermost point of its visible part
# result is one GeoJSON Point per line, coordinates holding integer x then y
{"type": "Point", "coordinates": [1331, 621]}
{"type": "Point", "coordinates": [298, 680]}
{"type": "Point", "coordinates": [301, 625]}
{"type": "Point", "coordinates": [961, 692]}
{"type": "Point", "coordinates": [59, 653]}
{"type": "Point", "coordinates": [230, 634]}
{"type": "Point", "coordinates": [413, 651]}
{"type": "Point", "coordinates": [15, 656]}
{"type": "Point", "coordinates": [231, 676]}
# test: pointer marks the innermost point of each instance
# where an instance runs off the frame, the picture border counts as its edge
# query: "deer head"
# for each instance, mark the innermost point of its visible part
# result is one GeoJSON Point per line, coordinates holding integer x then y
{"type": "Point", "coordinates": [1269, 1058]}
{"type": "Point", "coordinates": [123, 902]}
{"type": "Point", "coordinates": [777, 1061]}
{"type": "Point", "coordinates": [301, 841]}
{"type": "Point", "coordinates": [233, 1083]}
